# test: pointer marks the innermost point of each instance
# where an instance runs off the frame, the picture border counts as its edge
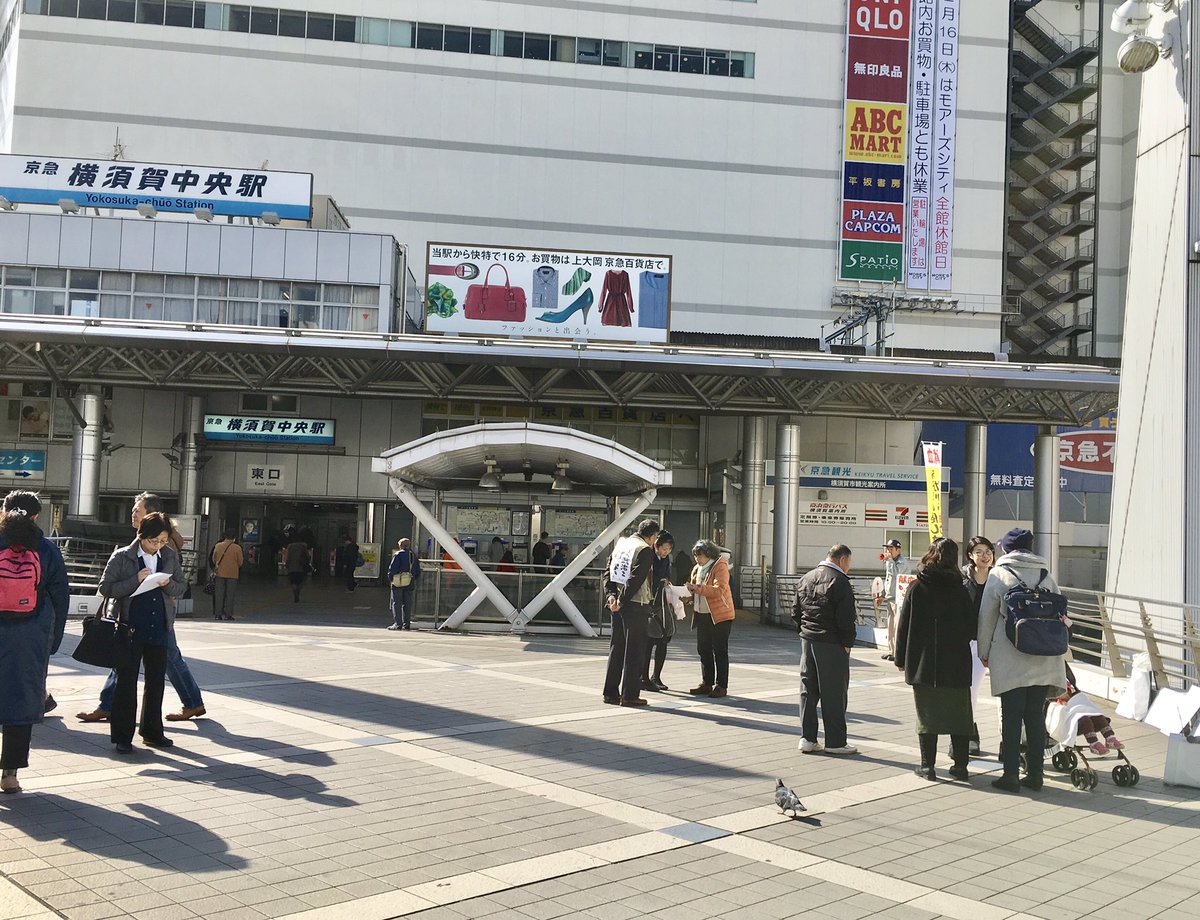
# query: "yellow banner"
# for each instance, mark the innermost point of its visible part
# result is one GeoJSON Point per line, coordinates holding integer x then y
{"type": "Point", "coordinates": [933, 487]}
{"type": "Point", "coordinates": [876, 131]}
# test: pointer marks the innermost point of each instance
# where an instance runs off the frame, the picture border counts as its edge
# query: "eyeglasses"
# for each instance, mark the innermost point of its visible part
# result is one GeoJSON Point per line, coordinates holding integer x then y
{"type": "Point", "coordinates": [982, 551]}
{"type": "Point", "coordinates": [157, 541]}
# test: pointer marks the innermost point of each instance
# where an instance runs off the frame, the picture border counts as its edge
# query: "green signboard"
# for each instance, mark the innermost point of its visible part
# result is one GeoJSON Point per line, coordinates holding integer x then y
{"type": "Point", "coordinates": [867, 261]}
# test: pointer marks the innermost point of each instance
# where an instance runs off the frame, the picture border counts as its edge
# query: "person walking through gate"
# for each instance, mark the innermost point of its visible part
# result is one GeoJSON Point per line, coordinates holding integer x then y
{"type": "Point", "coordinates": [628, 591]}
{"type": "Point", "coordinates": [298, 556]}
{"type": "Point", "coordinates": [34, 599]}
{"type": "Point", "coordinates": [348, 559]}
{"type": "Point", "coordinates": [403, 572]}
{"type": "Point", "coordinates": [825, 617]}
{"type": "Point", "coordinates": [178, 672]}
{"type": "Point", "coordinates": [226, 558]}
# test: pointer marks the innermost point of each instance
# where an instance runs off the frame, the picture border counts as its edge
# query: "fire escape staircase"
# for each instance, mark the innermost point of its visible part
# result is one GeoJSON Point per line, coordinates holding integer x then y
{"type": "Point", "coordinates": [1053, 128]}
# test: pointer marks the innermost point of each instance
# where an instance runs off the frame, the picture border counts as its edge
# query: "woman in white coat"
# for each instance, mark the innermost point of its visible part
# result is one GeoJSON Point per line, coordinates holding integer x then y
{"type": "Point", "coordinates": [1023, 682]}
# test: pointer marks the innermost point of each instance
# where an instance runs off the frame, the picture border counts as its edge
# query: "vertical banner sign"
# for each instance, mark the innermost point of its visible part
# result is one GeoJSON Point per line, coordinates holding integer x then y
{"type": "Point", "coordinates": [875, 156]}
{"type": "Point", "coordinates": [933, 487]}
{"type": "Point", "coordinates": [944, 127]}
{"type": "Point", "coordinates": [920, 141]}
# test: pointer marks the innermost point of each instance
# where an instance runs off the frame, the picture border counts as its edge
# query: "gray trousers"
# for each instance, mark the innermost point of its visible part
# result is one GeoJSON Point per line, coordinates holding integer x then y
{"type": "Point", "coordinates": [224, 596]}
{"type": "Point", "coordinates": [824, 681]}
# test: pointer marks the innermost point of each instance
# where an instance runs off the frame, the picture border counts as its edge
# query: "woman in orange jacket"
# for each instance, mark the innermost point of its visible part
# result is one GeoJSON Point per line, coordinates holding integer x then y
{"type": "Point", "coordinates": [712, 617]}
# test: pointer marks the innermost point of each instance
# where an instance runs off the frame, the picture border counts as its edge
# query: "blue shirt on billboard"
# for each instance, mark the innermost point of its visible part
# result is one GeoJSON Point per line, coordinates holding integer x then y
{"type": "Point", "coordinates": [653, 299]}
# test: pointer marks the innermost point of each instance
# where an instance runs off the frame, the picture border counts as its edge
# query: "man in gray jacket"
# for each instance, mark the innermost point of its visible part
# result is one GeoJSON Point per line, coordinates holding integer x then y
{"type": "Point", "coordinates": [895, 564]}
{"type": "Point", "coordinates": [826, 619]}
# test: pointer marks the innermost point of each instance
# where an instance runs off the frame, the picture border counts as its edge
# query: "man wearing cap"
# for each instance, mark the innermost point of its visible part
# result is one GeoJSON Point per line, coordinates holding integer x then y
{"type": "Point", "coordinates": [895, 564]}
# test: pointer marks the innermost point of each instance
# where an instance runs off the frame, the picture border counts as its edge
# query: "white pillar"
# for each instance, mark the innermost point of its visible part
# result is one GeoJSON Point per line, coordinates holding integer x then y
{"type": "Point", "coordinates": [754, 476]}
{"type": "Point", "coordinates": [975, 482]}
{"type": "Point", "coordinates": [189, 472]}
{"type": "Point", "coordinates": [1046, 497]}
{"type": "Point", "coordinates": [84, 499]}
{"type": "Point", "coordinates": [787, 497]}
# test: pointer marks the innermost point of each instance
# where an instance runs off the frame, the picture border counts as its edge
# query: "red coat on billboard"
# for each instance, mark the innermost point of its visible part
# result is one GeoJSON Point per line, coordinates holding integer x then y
{"type": "Point", "coordinates": [616, 299]}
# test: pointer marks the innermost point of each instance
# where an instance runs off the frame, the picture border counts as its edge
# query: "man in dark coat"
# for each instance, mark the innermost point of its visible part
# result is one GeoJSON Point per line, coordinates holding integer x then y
{"type": "Point", "coordinates": [628, 592]}
{"type": "Point", "coordinates": [27, 641]}
{"type": "Point", "coordinates": [825, 616]}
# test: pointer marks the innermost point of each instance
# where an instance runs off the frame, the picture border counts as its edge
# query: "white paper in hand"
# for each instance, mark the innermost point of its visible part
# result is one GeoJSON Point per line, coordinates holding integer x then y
{"type": "Point", "coordinates": [156, 580]}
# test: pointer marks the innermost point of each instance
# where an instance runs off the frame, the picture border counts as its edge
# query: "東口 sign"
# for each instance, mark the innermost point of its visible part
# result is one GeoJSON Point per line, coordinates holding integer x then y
{"type": "Point", "coordinates": [93, 183]}
{"type": "Point", "coordinates": [23, 465]}
{"type": "Point", "coordinates": [263, 429]}
{"type": "Point", "coordinates": [263, 478]}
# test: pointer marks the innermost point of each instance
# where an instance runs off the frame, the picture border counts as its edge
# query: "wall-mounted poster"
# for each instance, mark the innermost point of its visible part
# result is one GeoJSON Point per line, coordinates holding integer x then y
{"type": "Point", "coordinates": [547, 293]}
{"type": "Point", "coordinates": [251, 530]}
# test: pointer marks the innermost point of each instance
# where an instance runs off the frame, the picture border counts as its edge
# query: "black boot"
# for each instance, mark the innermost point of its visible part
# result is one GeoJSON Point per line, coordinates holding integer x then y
{"type": "Point", "coordinates": [960, 751]}
{"type": "Point", "coordinates": [928, 745]}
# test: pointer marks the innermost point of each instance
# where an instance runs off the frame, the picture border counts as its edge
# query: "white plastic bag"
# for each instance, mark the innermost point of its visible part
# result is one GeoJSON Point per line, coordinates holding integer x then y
{"type": "Point", "coordinates": [1135, 703]}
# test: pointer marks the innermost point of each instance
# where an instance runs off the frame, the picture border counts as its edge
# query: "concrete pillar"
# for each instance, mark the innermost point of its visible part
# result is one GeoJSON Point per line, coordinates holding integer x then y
{"type": "Point", "coordinates": [1046, 496]}
{"type": "Point", "coordinates": [754, 477]}
{"type": "Point", "coordinates": [84, 500]}
{"type": "Point", "coordinates": [787, 498]}
{"type": "Point", "coordinates": [975, 483]}
{"type": "Point", "coordinates": [189, 472]}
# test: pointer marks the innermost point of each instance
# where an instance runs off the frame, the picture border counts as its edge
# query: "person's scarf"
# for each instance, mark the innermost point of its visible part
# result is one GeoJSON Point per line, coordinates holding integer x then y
{"type": "Point", "coordinates": [701, 578]}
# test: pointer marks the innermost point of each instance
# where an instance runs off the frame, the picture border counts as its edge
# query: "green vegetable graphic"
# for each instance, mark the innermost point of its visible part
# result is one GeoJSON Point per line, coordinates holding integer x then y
{"type": "Point", "coordinates": [440, 301]}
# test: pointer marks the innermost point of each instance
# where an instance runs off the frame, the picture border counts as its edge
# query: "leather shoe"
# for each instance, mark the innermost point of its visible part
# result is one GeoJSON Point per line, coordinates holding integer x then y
{"type": "Point", "coordinates": [612, 700]}
{"type": "Point", "coordinates": [163, 742]}
{"type": "Point", "coordinates": [637, 702]}
{"type": "Point", "coordinates": [1007, 784]}
{"type": "Point", "coordinates": [960, 773]}
{"type": "Point", "coordinates": [1033, 785]}
{"type": "Point", "coordinates": [650, 686]}
{"type": "Point", "coordinates": [96, 715]}
{"type": "Point", "coordinates": [123, 747]}
{"type": "Point", "coordinates": [658, 683]}
{"type": "Point", "coordinates": [188, 712]}
{"type": "Point", "coordinates": [702, 690]}
{"type": "Point", "coordinates": [718, 692]}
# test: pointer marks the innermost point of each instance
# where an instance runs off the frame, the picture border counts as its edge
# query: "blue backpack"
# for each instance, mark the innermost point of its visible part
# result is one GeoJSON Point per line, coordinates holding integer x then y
{"type": "Point", "coordinates": [1035, 618]}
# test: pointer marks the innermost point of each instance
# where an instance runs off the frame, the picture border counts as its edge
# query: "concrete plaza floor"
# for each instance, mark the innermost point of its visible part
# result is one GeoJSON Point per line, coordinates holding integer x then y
{"type": "Point", "coordinates": [344, 771]}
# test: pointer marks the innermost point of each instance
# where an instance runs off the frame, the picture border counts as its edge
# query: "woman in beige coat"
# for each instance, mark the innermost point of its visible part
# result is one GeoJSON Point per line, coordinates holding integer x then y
{"type": "Point", "coordinates": [712, 617]}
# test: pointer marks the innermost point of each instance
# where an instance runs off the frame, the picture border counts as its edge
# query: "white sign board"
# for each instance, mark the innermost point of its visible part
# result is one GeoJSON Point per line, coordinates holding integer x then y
{"type": "Point", "coordinates": [547, 293]}
{"type": "Point", "coordinates": [121, 184]}
{"type": "Point", "coordinates": [261, 477]}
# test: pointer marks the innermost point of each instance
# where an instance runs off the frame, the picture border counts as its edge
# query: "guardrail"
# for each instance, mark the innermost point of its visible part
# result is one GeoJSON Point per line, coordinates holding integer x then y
{"type": "Point", "coordinates": [85, 559]}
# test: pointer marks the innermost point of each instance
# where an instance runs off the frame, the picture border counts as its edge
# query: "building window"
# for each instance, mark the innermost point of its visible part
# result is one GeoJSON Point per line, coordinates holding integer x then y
{"type": "Point", "coordinates": [291, 23]}
{"type": "Point", "coordinates": [691, 60]}
{"type": "Point", "coordinates": [68, 8]}
{"type": "Point", "coordinates": [457, 39]}
{"type": "Point", "coordinates": [239, 19]}
{"type": "Point", "coordinates": [179, 13]}
{"type": "Point", "coordinates": [320, 26]}
{"type": "Point", "coordinates": [150, 12]}
{"type": "Point", "coordinates": [264, 21]}
{"type": "Point", "coordinates": [94, 9]}
{"type": "Point", "coordinates": [512, 44]}
{"type": "Point", "coordinates": [641, 57]}
{"type": "Point", "coordinates": [537, 46]}
{"type": "Point", "coordinates": [345, 28]}
{"type": "Point", "coordinates": [430, 36]}
{"type": "Point", "coordinates": [587, 50]}
{"type": "Point", "coordinates": [481, 41]}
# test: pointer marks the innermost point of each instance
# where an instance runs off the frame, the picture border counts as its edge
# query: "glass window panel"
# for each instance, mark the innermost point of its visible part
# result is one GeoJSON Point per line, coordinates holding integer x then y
{"type": "Point", "coordinates": [364, 320]}
{"type": "Point", "coordinates": [305, 315]}
{"type": "Point", "coordinates": [147, 306]}
{"type": "Point", "coordinates": [337, 293]}
{"type": "Point", "coordinates": [19, 275]}
{"type": "Point", "coordinates": [366, 296]}
{"type": "Point", "coordinates": [85, 280]}
{"type": "Point", "coordinates": [691, 60]}
{"type": "Point", "coordinates": [563, 49]}
{"type": "Point", "coordinates": [320, 25]}
{"type": "Point", "coordinates": [429, 35]}
{"type": "Point", "coordinates": [179, 309]}
{"type": "Point", "coordinates": [239, 19]}
{"type": "Point", "coordinates": [642, 56]}
{"type": "Point", "coordinates": [51, 277]}
{"type": "Point", "coordinates": [150, 12]}
{"type": "Point", "coordinates": [50, 303]}
{"type": "Point", "coordinates": [150, 284]}
{"type": "Point", "coordinates": [116, 281]}
{"type": "Point", "coordinates": [375, 31]}
{"type": "Point", "coordinates": [284, 403]}
{"type": "Point", "coordinates": [401, 34]}
{"type": "Point", "coordinates": [208, 15]}
{"type": "Point", "coordinates": [179, 13]}
{"type": "Point", "coordinates": [122, 10]}
{"type": "Point", "coordinates": [685, 447]}
{"type": "Point", "coordinates": [209, 311]}
{"type": "Point", "coordinates": [614, 54]}
{"type": "Point", "coordinates": [93, 9]}
{"type": "Point", "coordinates": [243, 287]}
{"type": "Point", "coordinates": [255, 402]}
{"type": "Point", "coordinates": [587, 50]}
{"type": "Point", "coordinates": [84, 303]}
{"type": "Point", "coordinates": [18, 301]}
{"type": "Point", "coordinates": [741, 64]}
{"type": "Point", "coordinates": [264, 21]}
{"type": "Point", "coordinates": [210, 286]}
{"type": "Point", "coordinates": [291, 23]}
{"type": "Point", "coordinates": [718, 63]}
{"type": "Point", "coordinates": [481, 41]}
{"type": "Point", "coordinates": [337, 318]}
{"type": "Point", "coordinates": [512, 44]}
{"type": "Point", "coordinates": [114, 306]}
{"type": "Point", "coordinates": [69, 8]}
{"type": "Point", "coordinates": [537, 46]}
{"type": "Point", "coordinates": [458, 39]}
{"type": "Point", "coordinates": [37, 7]}
{"type": "Point", "coordinates": [306, 292]}
{"type": "Point", "coordinates": [345, 29]}
{"type": "Point", "coordinates": [241, 313]}
{"type": "Point", "coordinates": [181, 284]}
{"type": "Point", "coordinates": [666, 57]}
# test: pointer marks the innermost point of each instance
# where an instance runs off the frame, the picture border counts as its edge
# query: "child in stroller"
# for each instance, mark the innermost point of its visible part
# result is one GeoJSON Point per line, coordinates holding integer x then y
{"type": "Point", "coordinates": [1073, 714]}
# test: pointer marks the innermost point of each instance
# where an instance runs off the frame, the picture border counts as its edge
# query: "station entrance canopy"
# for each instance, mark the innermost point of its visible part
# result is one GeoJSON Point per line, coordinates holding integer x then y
{"type": "Point", "coordinates": [686, 378]}
{"type": "Point", "coordinates": [456, 458]}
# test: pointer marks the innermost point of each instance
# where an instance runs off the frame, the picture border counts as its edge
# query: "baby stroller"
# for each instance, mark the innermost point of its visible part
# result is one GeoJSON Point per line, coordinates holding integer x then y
{"type": "Point", "coordinates": [1072, 715]}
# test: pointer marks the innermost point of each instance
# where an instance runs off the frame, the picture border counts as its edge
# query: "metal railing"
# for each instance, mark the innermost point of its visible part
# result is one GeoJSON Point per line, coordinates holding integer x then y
{"type": "Point", "coordinates": [85, 559]}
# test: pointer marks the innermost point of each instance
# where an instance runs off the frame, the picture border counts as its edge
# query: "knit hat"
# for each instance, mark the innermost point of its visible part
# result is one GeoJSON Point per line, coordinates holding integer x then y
{"type": "Point", "coordinates": [1016, 540]}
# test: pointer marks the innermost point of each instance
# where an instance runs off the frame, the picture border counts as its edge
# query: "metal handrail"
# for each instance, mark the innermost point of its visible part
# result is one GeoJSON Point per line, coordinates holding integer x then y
{"type": "Point", "coordinates": [85, 559]}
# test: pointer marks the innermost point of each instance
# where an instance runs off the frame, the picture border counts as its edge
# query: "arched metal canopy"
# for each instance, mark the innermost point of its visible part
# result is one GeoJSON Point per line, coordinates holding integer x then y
{"type": "Point", "coordinates": [455, 459]}
{"type": "Point", "coordinates": [451, 459]}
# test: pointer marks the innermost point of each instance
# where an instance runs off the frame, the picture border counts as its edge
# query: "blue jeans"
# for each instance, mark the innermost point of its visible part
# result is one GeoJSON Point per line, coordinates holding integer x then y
{"type": "Point", "coordinates": [1023, 706]}
{"type": "Point", "coordinates": [178, 674]}
{"type": "Point", "coordinates": [402, 606]}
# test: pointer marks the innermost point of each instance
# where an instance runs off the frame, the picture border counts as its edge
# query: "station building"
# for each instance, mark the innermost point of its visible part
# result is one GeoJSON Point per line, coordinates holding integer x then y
{"type": "Point", "coordinates": [716, 134]}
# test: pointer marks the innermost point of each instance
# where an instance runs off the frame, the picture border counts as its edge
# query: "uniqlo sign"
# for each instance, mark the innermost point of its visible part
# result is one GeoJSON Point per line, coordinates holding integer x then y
{"type": "Point", "coordinates": [880, 18]}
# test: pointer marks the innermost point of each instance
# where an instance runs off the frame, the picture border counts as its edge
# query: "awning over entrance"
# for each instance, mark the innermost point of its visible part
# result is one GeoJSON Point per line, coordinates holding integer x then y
{"type": "Point", "coordinates": [458, 458]}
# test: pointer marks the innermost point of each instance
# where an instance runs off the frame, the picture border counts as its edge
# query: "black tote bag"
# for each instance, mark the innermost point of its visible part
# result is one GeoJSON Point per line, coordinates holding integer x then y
{"type": "Point", "coordinates": [104, 640]}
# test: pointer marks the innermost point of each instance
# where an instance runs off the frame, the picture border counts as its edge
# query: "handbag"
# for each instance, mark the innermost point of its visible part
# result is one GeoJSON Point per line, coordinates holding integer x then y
{"type": "Point", "coordinates": [402, 580]}
{"type": "Point", "coordinates": [104, 640]}
{"type": "Point", "coordinates": [491, 302]}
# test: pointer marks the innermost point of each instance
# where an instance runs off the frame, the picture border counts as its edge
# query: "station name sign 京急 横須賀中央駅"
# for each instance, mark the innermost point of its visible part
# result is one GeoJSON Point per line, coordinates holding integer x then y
{"type": "Point", "coordinates": [124, 185]}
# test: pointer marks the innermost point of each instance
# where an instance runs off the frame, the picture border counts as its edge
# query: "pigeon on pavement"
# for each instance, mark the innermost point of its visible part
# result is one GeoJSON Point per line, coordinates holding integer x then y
{"type": "Point", "coordinates": [787, 800]}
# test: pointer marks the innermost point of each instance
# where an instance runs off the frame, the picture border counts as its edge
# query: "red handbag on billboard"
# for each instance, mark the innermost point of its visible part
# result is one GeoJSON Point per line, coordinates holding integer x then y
{"type": "Point", "coordinates": [492, 302]}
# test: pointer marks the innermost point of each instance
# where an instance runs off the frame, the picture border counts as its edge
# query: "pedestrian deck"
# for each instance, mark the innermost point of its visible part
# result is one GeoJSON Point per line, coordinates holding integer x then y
{"type": "Point", "coordinates": [345, 771]}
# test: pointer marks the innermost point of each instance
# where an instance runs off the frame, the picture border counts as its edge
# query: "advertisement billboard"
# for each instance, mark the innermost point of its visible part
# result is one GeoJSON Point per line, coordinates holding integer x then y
{"type": "Point", "coordinates": [123, 185]}
{"type": "Point", "coordinates": [547, 293]}
{"type": "Point", "coordinates": [875, 154]}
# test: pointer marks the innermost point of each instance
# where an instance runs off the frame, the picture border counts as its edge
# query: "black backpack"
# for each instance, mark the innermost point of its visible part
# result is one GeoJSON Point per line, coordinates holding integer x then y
{"type": "Point", "coordinates": [1035, 618]}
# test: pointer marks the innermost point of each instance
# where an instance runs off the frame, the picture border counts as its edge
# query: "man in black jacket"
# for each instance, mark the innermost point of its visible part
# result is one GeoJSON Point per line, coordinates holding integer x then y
{"type": "Point", "coordinates": [628, 592]}
{"type": "Point", "coordinates": [825, 616]}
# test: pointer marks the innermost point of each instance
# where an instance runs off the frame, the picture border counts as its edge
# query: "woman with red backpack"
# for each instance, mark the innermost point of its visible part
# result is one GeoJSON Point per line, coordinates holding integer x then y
{"type": "Point", "coordinates": [34, 599]}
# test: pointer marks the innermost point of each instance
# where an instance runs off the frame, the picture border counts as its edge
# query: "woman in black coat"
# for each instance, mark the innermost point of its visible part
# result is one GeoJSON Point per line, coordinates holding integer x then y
{"type": "Point", "coordinates": [933, 647]}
